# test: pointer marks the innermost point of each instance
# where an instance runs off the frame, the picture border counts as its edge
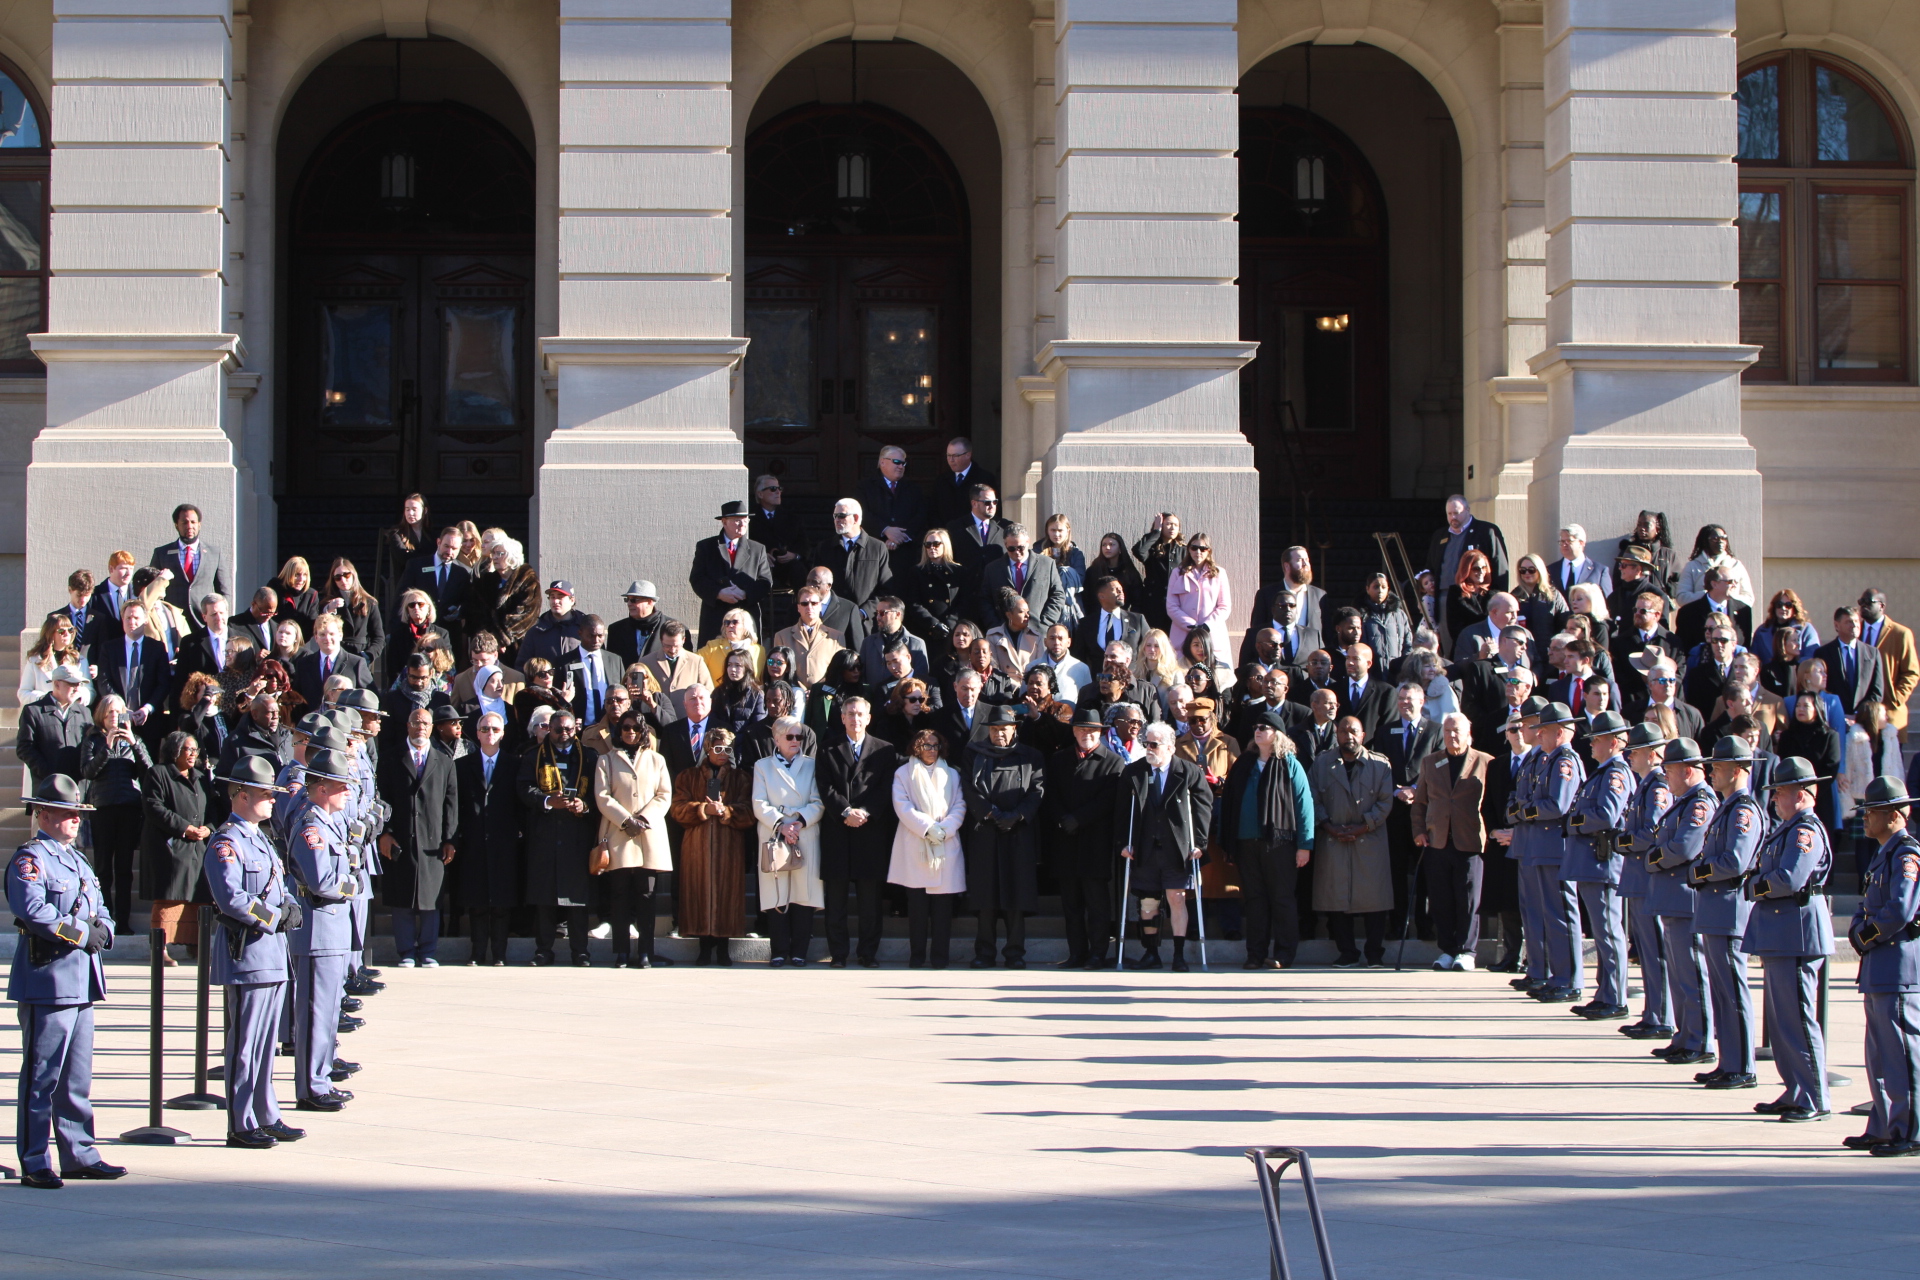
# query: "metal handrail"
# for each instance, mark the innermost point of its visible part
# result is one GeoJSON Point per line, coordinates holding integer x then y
{"type": "Point", "coordinates": [1269, 1176]}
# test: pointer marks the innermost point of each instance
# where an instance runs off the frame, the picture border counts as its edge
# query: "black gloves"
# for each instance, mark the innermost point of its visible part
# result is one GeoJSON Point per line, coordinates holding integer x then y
{"type": "Point", "coordinates": [291, 916]}
{"type": "Point", "coordinates": [1069, 824]}
{"type": "Point", "coordinates": [99, 938]}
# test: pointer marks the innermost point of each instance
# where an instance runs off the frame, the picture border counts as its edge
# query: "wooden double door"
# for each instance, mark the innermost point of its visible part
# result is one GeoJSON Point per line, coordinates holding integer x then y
{"type": "Point", "coordinates": [852, 349]}
{"type": "Point", "coordinates": [412, 372]}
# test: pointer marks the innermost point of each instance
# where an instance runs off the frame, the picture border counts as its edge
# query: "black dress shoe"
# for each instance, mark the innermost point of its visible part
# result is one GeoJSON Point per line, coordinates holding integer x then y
{"type": "Point", "coordinates": [349, 1005]}
{"type": "Point", "coordinates": [582, 961]}
{"type": "Point", "coordinates": [1519, 984]}
{"type": "Point", "coordinates": [1707, 1077]}
{"type": "Point", "coordinates": [99, 1171]}
{"type": "Point", "coordinates": [1774, 1108]}
{"type": "Point", "coordinates": [284, 1131]}
{"type": "Point", "coordinates": [1863, 1141]}
{"type": "Point", "coordinates": [1646, 1031]}
{"type": "Point", "coordinates": [979, 964]}
{"type": "Point", "coordinates": [1800, 1115]}
{"type": "Point", "coordinates": [364, 986]}
{"type": "Point", "coordinates": [41, 1180]}
{"type": "Point", "coordinates": [369, 973]}
{"type": "Point", "coordinates": [1597, 1012]}
{"type": "Point", "coordinates": [1016, 964]}
{"type": "Point", "coordinates": [348, 1023]}
{"type": "Point", "coordinates": [867, 962]}
{"type": "Point", "coordinates": [1096, 963]}
{"type": "Point", "coordinates": [322, 1102]}
{"type": "Point", "coordinates": [338, 1076]}
{"type": "Point", "coordinates": [252, 1139]}
{"type": "Point", "coordinates": [621, 962]}
{"type": "Point", "coordinates": [1180, 965]}
{"type": "Point", "coordinates": [1151, 960]}
{"type": "Point", "coordinates": [916, 964]}
{"type": "Point", "coordinates": [1504, 966]}
{"type": "Point", "coordinates": [659, 962]}
{"type": "Point", "coordinates": [1905, 1147]}
{"type": "Point", "coordinates": [1254, 964]}
{"type": "Point", "coordinates": [1735, 1080]}
{"type": "Point", "coordinates": [342, 1065]}
{"type": "Point", "coordinates": [1347, 962]}
{"type": "Point", "coordinates": [1557, 995]}
{"type": "Point", "coordinates": [1072, 962]}
{"type": "Point", "coordinates": [645, 962]}
{"type": "Point", "coordinates": [541, 959]}
{"type": "Point", "coordinates": [838, 962]}
{"type": "Point", "coordinates": [1690, 1059]}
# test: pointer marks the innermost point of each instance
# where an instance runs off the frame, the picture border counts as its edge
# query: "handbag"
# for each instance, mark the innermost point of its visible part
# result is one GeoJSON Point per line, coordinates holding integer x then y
{"type": "Point", "coordinates": [599, 858]}
{"type": "Point", "coordinates": [776, 856]}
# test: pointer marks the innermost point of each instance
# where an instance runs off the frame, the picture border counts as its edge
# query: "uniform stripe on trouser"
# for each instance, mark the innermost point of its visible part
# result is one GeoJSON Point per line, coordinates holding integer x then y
{"type": "Point", "coordinates": [1732, 1001]}
{"type": "Point", "coordinates": [1605, 914]}
{"type": "Point", "coordinates": [1656, 1002]}
{"type": "Point", "coordinates": [1692, 1017]}
{"type": "Point", "coordinates": [1799, 1050]}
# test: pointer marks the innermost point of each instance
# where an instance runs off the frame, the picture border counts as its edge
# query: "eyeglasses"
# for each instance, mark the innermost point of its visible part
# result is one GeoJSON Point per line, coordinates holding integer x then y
{"type": "Point", "coordinates": [933, 542]}
{"type": "Point", "coordinates": [1660, 679]}
{"type": "Point", "coordinates": [771, 488]}
{"type": "Point", "coordinates": [1198, 546]}
{"type": "Point", "coordinates": [915, 697]}
{"type": "Point", "coordinates": [791, 737]}
{"type": "Point", "coordinates": [1527, 570]}
{"type": "Point", "coordinates": [988, 502]}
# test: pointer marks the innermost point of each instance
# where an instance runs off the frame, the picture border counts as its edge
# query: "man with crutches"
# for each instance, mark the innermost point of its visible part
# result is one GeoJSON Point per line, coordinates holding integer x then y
{"type": "Point", "coordinates": [1166, 809]}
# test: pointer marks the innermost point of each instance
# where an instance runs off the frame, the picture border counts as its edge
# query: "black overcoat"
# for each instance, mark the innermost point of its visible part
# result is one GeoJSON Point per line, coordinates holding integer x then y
{"type": "Point", "coordinates": [857, 853]}
{"type": "Point", "coordinates": [1003, 866]}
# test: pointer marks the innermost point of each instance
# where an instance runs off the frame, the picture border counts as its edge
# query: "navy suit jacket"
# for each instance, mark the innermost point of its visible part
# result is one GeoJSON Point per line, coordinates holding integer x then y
{"type": "Point", "coordinates": [145, 685]}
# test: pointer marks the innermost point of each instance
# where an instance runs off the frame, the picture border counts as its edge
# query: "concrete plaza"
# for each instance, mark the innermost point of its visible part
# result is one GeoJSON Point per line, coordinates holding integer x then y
{"type": "Point", "coordinates": [744, 1122]}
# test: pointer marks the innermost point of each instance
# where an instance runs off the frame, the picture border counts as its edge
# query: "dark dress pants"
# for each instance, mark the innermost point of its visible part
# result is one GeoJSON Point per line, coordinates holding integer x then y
{"type": "Point", "coordinates": [544, 928]}
{"type": "Point", "coordinates": [867, 893]}
{"type": "Point", "coordinates": [630, 907]}
{"type": "Point", "coordinates": [935, 908]}
{"type": "Point", "coordinates": [1016, 948]}
{"type": "Point", "coordinates": [1089, 924]}
{"type": "Point", "coordinates": [116, 835]}
{"type": "Point", "coordinates": [1340, 929]}
{"type": "Point", "coordinates": [1268, 878]}
{"type": "Point", "coordinates": [1454, 878]}
{"type": "Point", "coordinates": [790, 932]}
{"type": "Point", "coordinates": [488, 926]}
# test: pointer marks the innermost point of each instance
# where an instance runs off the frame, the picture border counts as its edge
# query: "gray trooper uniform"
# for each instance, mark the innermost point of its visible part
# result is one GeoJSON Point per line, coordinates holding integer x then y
{"type": "Point", "coordinates": [249, 958]}
{"type": "Point", "coordinates": [1676, 844]}
{"type": "Point", "coordinates": [1720, 912]}
{"type": "Point", "coordinates": [56, 980]}
{"type": "Point", "coordinates": [1791, 930]}
{"type": "Point", "coordinates": [1650, 803]}
{"type": "Point", "coordinates": [366, 819]}
{"type": "Point", "coordinates": [1885, 934]}
{"type": "Point", "coordinates": [1556, 782]}
{"type": "Point", "coordinates": [1532, 927]}
{"type": "Point", "coordinates": [1592, 862]}
{"type": "Point", "coordinates": [319, 857]}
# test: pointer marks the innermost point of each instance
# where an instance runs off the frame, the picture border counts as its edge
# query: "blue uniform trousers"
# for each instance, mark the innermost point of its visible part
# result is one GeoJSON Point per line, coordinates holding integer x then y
{"type": "Point", "coordinates": [1604, 916]}
{"type": "Point", "coordinates": [1558, 916]}
{"type": "Point", "coordinates": [56, 1085]}
{"type": "Point", "coordinates": [1687, 980]}
{"type": "Point", "coordinates": [1799, 1050]}
{"type": "Point", "coordinates": [1656, 1007]}
{"type": "Point", "coordinates": [253, 1016]}
{"type": "Point", "coordinates": [1732, 1000]}
{"type": "Point", "coordinates": [362, 918]}
{"type": "Point", "coordinates": [320, 983]}
{"type": "Point", "coordinates": [1533, 925]}
{"type": "Point", "coordinates": [1893, 1063]}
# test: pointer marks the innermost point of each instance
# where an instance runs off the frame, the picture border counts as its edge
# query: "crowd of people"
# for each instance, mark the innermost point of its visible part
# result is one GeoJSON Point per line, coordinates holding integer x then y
{"type": "Point", "coordinates": [934, 711]}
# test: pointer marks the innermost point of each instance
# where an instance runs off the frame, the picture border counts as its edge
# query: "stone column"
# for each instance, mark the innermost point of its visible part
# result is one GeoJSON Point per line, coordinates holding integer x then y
{"type": "Point", "coordinates": [643, 452]}
{"type": "Point", "coordinates": [135, 349]}
{"type": "Point", "coordinates": [1643, 360]}
{"type": "Point", "coordinates": [1147, 353]}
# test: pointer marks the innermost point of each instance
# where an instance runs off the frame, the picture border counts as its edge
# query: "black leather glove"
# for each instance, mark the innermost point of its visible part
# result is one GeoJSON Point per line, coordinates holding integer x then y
{"type": "Point", "coordinates": [291, 917]}
{"type": "Point", "coordinates": [1069, 824]}
{"type": "Point", "coordinates": [99, 938]}
{"type": "Point", "coordinates": [1005, 821]}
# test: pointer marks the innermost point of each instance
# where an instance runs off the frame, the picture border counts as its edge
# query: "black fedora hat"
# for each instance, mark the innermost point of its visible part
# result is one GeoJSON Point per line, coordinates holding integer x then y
{"type": "Point", "coordinates": [729, 510]}
{"type": "Point", "coordinates": [1797, 771]}
{"type": "Point", "coordinates": [998, 715]}
{"type": "Point", "coordinates": [1683, 751]}
{"type": "Point", "coordinates": [1088, 718]}
{"type": "Point", "coordinates": [1886, 793]}
{"type": "Point", "coordinates": [58, 791]}
{"type": "Point", "coordinates": [1646, 734]}
{"type": "Point", "coordinates": [253, 771]}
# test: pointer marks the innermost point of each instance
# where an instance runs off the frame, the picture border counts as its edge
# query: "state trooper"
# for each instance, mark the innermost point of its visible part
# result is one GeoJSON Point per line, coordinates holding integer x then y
{"type": "Point", "coordinates": [1670, 856]}
{"type": "Point", "coordinates": [1593, 863]}
{"type": "Point", "coordinates": [56, 980]}
{"type": "Point", "coordinates": [256, 910]}
{"type": "Point", "coordinates": [359, 713]}
{"type": "Point", "coordinates": [1651, 800]}
{"type": "Point", "coordinates": [1525, 784]}
{"type": "Point", "coordinates": [1556, 783]}
{"type": "Point", "coordinates": [319, 858]}
{"type": "Point", "coordinates": [1721, 907]}
{"type": "Point", "coordinates": [1886, 933]}
{"type": "Point", "coordinates": [1791, 930]}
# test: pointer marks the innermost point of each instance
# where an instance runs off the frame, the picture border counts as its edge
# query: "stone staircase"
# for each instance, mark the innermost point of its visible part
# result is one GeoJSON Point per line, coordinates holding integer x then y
{"type": "Point", "coordinates": [14, 826]}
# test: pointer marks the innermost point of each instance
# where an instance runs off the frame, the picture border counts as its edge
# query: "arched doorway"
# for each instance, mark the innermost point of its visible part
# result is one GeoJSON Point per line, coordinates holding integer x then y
{"type": "Point", "coordinates": [857, 301]}
{"type": "Point", "coordinates": [408, 315]}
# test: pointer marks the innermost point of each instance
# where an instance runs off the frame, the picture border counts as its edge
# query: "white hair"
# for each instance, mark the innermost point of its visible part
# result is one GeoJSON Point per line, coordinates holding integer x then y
{"type": "Point", "coordinates": [1158, 732]}
{"type": "Point", "coordinates": [1578, 531]}
{"type": "Point", "coordinates": [516, 554]}
{"type": "Point", "coordinates": [1452, 718]}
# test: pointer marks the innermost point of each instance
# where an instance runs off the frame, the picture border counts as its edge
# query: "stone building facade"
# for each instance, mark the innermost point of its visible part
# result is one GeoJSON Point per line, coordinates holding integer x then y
{"type": "Point", "coordinates": [588, 264]}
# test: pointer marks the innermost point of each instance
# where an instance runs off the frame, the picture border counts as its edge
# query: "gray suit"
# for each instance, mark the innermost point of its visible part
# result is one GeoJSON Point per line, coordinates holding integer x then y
{"type": "Point", "coordinates": [209, 577]}
{"type": "Point", "coordinates": [1045, 597]}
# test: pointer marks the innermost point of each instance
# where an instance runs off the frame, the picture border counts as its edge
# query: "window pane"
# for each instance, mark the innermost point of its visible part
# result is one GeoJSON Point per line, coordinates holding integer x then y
{"type": "Point", "coordinates": [1760, 322]}
{"type": "Point", "coordinates": [356, 358]}
{"type": "Point", "coordinates": [19, 316]}
{"type": "Point", "coordinates": [480, 388]}
{"type": "Point", "coordinates": [1759, 235]}
{"type": "Point", "coordinates": [1849, 124]}
{"type": "Point", "coordinates": [1759, 99]}
{"type": "Point", "coordinates": [1859, 326]}
{"type": "Point", "coordinates": [900, 367]}
{"type": "Point", "coordinates": [19, 127]}
{"type": "Point", "coordinates": [779, 369]}
{"type": "Point", "coordinates": [22, 206]}
{"type": "Point", "coordinates": [1859, 236]}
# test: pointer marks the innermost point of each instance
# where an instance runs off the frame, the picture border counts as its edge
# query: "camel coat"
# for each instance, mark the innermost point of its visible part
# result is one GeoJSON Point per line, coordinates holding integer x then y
{"type": "Point", "coordinates": [1356, 875]}
{"type": "Point", "coordinates": [624, 788]}
{"type": "Point", "coordinates": [783, 790]}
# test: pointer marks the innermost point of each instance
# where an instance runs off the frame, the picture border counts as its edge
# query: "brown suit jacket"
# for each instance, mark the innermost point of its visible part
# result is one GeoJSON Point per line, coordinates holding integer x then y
{"type": "Point", "coordinates": [1449, 811]}
{"type": "Point", "coordinates": [1902, 661]}
{"type": "Point", "coordinates": [691, 670]}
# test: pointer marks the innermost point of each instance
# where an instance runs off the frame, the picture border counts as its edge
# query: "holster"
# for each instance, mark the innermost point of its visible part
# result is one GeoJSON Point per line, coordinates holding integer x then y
{"type": "Point", "coordinates": [1606, 845]}
{"type": "Point", "coordinates": [236, 935]}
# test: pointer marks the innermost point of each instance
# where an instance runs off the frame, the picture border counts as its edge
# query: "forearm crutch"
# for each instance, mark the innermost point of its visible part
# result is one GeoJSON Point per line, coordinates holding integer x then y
{"type": "Point", "coordinates": [1126, 883]}
{"type": "Point", "coordinates": [1199, 912]}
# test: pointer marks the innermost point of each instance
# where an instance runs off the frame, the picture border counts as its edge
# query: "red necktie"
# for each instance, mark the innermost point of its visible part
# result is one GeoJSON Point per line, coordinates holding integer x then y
{"type": "Point", "coordinates": [186, 562]}
{"type": "Point", "coordinates": [731, 548]}
{"type": "Point", "coordinates": [1579, 692]}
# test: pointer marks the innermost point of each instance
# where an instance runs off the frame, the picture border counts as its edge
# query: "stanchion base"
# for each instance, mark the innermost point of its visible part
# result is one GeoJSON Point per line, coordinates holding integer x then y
{"type": "Point", "coordinates": [1837, 1081]}
{"type": "Point", "coordinates": [197, 1102]}
{"type": "Point", "coordinates": [217, 1071]}
{"type": "Point", "coordinates": [1763, 1054]}
{"type": "Point", "coordinates": [155, 1135]}
{"type": "Point", "coordinates": [1860, 1109]}
{"type": "Point", "coordinates": [7, 1173]}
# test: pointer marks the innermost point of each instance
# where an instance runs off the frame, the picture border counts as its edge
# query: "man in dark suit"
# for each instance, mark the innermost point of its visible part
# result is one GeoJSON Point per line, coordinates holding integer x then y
{"type": "Point", "coordinates": [53, 728]}
{"type": "Point", "coordinates": [1361, 696]}
{"type": "Point", "coordinates": [896, 508]}
{"type": "Point", "coordinates": [860, 564]}
{"type": "Point", "coordinates": [444, 580]}
{"type": "Point", "coordinates": [684, 741]}
{"type": "Point", "coordinates": [856, 830]}
{"type": "Point", "coordinates": [198, 569]}
{"type": "Point", "coordinates": [103, 607]}
{"type": "Point", "coordinates": [978, 536]}
{"type": "Point", "coordinates": [778, 530]}
{"type": "Point", "coordinates": [1035, 578]}
{"type": "Point", "coordinates": [1484, 688]}
{"type": "Point", "coordinates": [595, 670]}
{"type": "Point", "coordinates": [638, 634]}
{"type": "Point", "coordinates": [1313, 737]}
{"type": "Point", "coordinates": [417, 845]}
{"type": "Point", "coordinates": [1710, 668]}
{"type": "Point", "coordinates": [327, 658]}
{"type": "Point", "coordinates": [953, 490]}
{"type": "Point", "coordinates": [1643, 631]}
{"type": "Point", "coordinates": [963, 720]}
{"type": "Point", "coordinates": [1578, 672]}
{"type": "Point", "coordinates": [730, 571]}
{"type": "Point", "coordinates": [1405, 741]}
{"type": "Point", "coordinates": [1112, 621]}
{"type": "Point", "coordinates": [258, 622]}
{"type": "Point", "coordinates": [1690, 625]}
{"type": "Point", "coordinates": [1167, 806]}
{"type": "Point", "coordinates": [135, 667]}
{"type": "Point", "coordinates": [1576, 568]}
{"type": "Point", "coordinates": [488, 840]}
{"type": "Point", "coordinates": [1663, 689]}
{"type": "Point", "coordinates": [1462, 534]}
{"type": "Point", "coordinates": [207, 650]}
{"type": "Point", "coordinates": [1276, 607]}
{"type": "Point", "coordinates": [1856, 672]}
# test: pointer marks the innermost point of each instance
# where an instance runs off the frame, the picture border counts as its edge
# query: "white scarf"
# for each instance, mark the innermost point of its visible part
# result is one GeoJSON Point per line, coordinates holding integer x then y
{"type": "Point", "coordinates": [928, 787]}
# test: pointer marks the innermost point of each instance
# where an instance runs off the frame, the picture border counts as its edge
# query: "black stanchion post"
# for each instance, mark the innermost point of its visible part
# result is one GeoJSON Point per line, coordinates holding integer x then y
{"type": "Point", "coordinates": [153, 1133]}
{"type": "Point", "coordinates": [200, 1099]}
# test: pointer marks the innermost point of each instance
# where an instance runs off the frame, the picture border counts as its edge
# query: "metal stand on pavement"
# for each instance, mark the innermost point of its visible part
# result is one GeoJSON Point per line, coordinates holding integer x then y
{"type": "Point", "coordinates": [153, 1133]}
{"type": "Point", "coordinates": [200, 1099]}
{"type": "Point", "coordinates": [1269, 1176]}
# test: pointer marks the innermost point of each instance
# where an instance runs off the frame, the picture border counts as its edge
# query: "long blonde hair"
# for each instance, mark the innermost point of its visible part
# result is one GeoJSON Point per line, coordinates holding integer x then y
{"type": "Point", "coordinates": [1159, 664]}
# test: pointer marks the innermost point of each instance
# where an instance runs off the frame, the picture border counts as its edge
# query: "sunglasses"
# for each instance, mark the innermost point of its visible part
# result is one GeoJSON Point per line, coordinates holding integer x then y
{"type": "Point", "coordinates": [791, 737]}
{"type": "Point", "coordinates": [914, 697]}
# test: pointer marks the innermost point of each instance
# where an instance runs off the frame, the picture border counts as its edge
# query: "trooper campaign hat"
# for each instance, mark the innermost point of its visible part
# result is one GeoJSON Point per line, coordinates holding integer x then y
{"type": "Point", "coordinates": [58, 791]}
{"type": "Point", "coordinates": [253, 771]}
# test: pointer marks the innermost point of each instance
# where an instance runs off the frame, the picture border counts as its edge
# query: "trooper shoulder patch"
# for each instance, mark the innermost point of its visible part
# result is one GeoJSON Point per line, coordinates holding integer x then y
{"type": "Point", "coordinates": [27, 867]}
{"type": "Point", "coordinates": [1910, 866]}
{"type": "Point", "coordinates": [1804, 838]}
{"type": "Point", "coordinates": [1742, 820]}
{"type": "Point", "coordinates": [1697, 813]}
{"type": "Point", "coordinates": [1616, 781]}
{"type": "Point", "coordinates": [1566, 768]}
{"type": "Point", "coordinates": [223, 850]}
{"type": "Point", "coordinates": [315, 840]}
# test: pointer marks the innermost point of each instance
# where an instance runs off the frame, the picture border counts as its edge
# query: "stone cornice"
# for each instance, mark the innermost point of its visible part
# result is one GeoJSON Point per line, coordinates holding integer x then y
{"type": "Point", "coordinates": [1675, 357]}
{"type": "Point", "coordinates": [212, 348]}
{"type": "Point", "coordinates": [1144, 355]}
{"type": "Point", "coordinates": [719, 353]}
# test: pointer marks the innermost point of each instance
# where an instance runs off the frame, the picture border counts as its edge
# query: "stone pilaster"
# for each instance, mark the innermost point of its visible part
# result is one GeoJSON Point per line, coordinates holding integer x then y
{"type": "Point", "coordinates": [1147, 350]}
{"type": "Point", "coordinates": [1643, 361]}
{"type": "Point", "coordinates": [643, 452]}
{"type": "Point", "coordinates": [136, 348]}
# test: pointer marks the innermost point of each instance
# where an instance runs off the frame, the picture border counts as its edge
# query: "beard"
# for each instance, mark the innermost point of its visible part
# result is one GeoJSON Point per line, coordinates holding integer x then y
{"type": "Point", "coordinates": [1300, 577]}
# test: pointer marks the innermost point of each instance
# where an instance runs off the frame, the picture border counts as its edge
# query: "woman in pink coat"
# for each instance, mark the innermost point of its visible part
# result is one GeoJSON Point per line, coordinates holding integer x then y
{"type": "Point", "coordinates": [1199, 594]}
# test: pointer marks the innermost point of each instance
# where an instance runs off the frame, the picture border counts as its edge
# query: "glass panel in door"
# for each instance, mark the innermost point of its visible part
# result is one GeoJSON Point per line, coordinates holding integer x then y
{"type": "Point", "coordinates": [902, 356]}
{"type": "Point", "coordinates": [479, 387]}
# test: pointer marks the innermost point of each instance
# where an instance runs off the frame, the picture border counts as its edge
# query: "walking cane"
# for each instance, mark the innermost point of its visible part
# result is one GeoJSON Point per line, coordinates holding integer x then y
{"type": "Point", "coordinates": [1126, 882]}
{"type": "Point", "coordinates": [1406, 924]}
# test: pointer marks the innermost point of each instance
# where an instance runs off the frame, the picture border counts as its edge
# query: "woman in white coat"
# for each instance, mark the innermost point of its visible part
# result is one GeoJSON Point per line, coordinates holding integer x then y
{"type": "Point", "coordinates": [634, 791]}
{"type": "Point", "coordinates": [786, 801]}
{"type": "Point", "coordinates": [927, 858]}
